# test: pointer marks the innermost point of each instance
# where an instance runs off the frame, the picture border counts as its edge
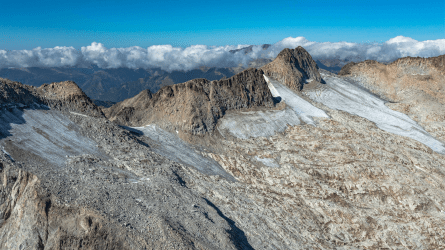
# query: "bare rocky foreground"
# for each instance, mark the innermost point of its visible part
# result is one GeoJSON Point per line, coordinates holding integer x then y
{"type": "Point", "coordinates": [321, 164]}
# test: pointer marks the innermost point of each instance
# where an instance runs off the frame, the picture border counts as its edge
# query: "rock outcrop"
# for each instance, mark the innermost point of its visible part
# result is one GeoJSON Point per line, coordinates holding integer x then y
{"type": "Point", "coordinates": [194, 106]}
{"type": "Point", "coordinates": [293, 67]}
{"type": "Point", "coordinates": [15, 92]}
{"type": "Point", "coordinates": [33, 219]}
{"type": "Point", "coordinates": [68, 96]}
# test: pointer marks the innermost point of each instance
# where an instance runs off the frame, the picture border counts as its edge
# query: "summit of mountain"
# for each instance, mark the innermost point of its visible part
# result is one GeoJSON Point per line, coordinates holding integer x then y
{"type": "Point", "coordinates": [294, 67]}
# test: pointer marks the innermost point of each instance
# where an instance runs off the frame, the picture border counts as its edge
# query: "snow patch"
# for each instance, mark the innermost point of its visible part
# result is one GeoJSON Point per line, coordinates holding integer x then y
{"type": "Point", "coordinates": [244, 125]}
{"type": "Point", "coordinates": [7, 154]}
{"type": "Point", "coordinates": [47, 134]}
{"type": "Point", "coordinates": [74, 113]}
{"type": "Point", "coordinates": [270, 162]}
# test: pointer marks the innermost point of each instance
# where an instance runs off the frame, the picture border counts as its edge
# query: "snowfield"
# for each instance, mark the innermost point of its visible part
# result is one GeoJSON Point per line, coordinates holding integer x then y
{"type": "Point", "coordinates": [336, 94]}
{"type": "Point", "coordinates": [302, 108]}
{"type": "Point", "coordinates": [340, 94]}
{"type": "Point", "coordinates": [244, 125]}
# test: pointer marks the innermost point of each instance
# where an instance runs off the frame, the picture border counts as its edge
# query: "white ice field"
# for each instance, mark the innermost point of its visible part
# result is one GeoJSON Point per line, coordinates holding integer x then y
{"type": "Point", "coordinates": [340, 94]}
{"type": "Point", "coordinates": [336, 94]}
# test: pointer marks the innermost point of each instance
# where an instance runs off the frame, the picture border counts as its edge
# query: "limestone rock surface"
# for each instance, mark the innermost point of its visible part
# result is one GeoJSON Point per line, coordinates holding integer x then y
{"type": "Point", "coordinates": [68, 95]}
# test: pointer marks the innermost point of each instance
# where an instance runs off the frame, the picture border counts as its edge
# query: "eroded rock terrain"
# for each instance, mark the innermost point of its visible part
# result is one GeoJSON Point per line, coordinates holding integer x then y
{"type": "Point", "coordinates": [314, 168]}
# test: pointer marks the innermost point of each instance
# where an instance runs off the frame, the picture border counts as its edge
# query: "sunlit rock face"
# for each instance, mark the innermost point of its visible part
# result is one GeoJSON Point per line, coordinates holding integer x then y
{"type": "Point", "coordinates": [194, 106]}
{"type": "Point", "coordinates": [294, 68]}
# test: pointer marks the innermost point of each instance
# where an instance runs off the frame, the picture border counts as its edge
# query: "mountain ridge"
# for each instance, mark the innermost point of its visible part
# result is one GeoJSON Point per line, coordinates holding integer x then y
{"type": "Point", "coordinates": [73, 179]}
{"type": "Point", "coordinates": [194, 106]}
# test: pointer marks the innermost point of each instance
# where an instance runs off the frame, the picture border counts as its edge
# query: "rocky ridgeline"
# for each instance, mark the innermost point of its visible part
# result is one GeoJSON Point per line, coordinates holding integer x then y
{"type": "Point", "coordinates": [293, 67]}
{"type": "Point", "coordinates": [64, 96]}
{"type": "Point", "coordinates": [15, 92]}
{"type": "Point", "coordinates": [194, 106]}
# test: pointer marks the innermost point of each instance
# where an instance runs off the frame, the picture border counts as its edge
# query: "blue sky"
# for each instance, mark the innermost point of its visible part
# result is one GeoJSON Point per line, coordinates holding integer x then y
{"type": "Point", "coordinates": [30, 24]}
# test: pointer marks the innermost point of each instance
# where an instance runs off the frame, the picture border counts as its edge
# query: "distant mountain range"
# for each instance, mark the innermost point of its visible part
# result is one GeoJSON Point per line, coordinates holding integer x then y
{"type": "Point", "coordinates": [118, 84]}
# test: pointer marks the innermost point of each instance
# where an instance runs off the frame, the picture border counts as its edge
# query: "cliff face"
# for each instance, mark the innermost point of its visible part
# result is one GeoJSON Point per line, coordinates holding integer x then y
{"type": "Point", "coordinates": [293, 67]}
{"type": "Point", "coordinates": [194, 106]}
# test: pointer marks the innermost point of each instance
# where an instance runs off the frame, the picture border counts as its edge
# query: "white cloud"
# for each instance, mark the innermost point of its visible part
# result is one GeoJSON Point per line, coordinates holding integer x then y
{"type": "Point", "coordinates": [170, 58]}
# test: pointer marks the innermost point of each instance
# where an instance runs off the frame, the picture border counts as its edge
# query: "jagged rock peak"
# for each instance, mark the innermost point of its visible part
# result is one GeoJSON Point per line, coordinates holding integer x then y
{"type": "Point", "coordinates": [193, 106]}
{"type": "Point", "coordinates": [139, 100]}
{"type": "Point", "coordinates": [294, 67]}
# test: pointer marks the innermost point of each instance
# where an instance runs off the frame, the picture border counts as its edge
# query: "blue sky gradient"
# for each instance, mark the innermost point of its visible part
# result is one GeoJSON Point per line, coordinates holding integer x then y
{"type": "Point", "coordinates": [46, 24]}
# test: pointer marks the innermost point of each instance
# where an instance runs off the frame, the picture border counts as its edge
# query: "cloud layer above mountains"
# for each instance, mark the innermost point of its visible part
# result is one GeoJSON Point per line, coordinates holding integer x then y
{"type": "Point", "coordinates": [170, 58]}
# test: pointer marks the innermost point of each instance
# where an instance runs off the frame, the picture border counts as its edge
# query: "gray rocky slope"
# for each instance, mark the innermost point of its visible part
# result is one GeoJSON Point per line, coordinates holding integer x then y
{"type": "Point", "coordinates": [72, 179]}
